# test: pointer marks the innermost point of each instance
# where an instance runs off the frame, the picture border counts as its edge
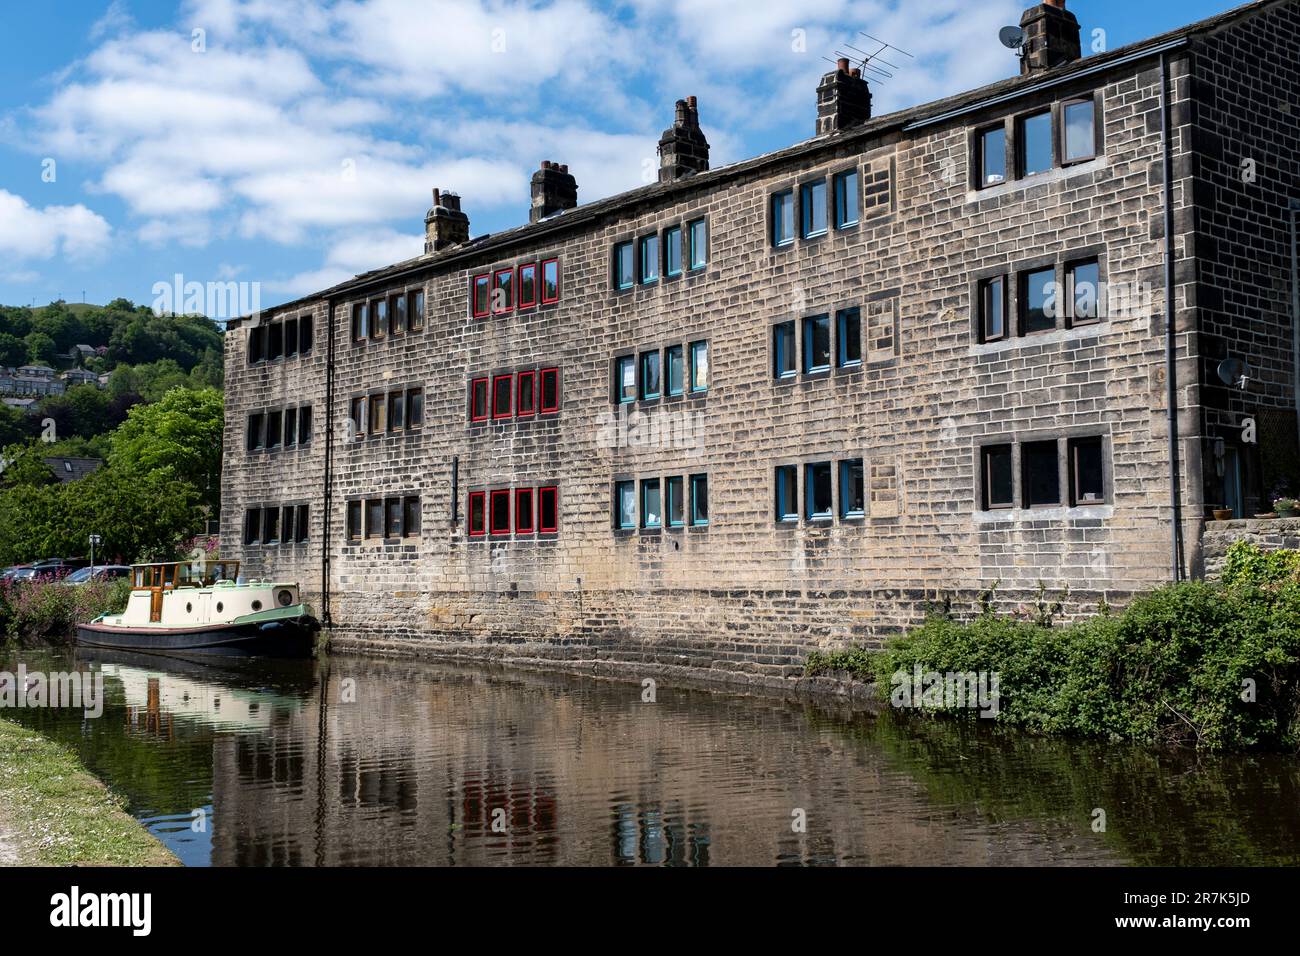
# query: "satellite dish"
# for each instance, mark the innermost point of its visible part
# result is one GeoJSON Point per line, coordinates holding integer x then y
{"type": "Point", "coordinates": [1013, 38]}
{"type": "Point", "coordinates": [1233, 371]}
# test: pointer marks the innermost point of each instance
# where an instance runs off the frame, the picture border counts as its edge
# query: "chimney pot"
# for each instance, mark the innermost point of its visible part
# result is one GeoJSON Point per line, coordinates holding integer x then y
{"type": "Point", "coordinates": [842, 64]}
{"type": "Point", "coordinates": [843, 99]}
{"type": "Point", "coordinates": [445, 225]}
{"type": "Point", "coordinates": [1051, 37]}
{"type": "Point", "coordinates": [683, 150]}
{"type": "Point", "coordinates": [553, 190]}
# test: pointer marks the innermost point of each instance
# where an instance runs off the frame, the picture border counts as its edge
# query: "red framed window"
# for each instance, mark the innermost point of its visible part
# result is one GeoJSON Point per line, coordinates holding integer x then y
{"type": "Point", "coordinates": [477, 513]}
{"type": "Point", "coordinates": [548, 510]}
{"type": "Point", "coordinates": [480, 296]}
{"type": "Point", "coordinates": [524, 521]}
{"type": "Point", "coordinates": [526, 395]}
{"type": "Point", "coordinates": [550, 391]}
{"type": "Point", "coordinates": [550, 281]}
{"type": "Point", "coordinates": [528, 285]}
{"type": "Point", "coordinates": [499, 512]}
{"type": "Point", "coordinates": [502, 404]}
{"type": "Point", "coordinates": [503, 291]}
{"type": "Point", "coordinates": [478, 400]}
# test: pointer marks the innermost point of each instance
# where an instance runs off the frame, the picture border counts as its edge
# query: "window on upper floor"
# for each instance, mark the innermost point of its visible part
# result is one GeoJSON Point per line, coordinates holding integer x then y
{"type": "Point", "coordinates": [648, 257]}
{"type": "Point", "coordinates": [397, 313]}
{"type": "Point", "coordinates": [360, 322]}
{"type": "Point", "coordinates": [358, 416]}
{"type": "Point", "coordinates": [410, 516]}
{"type": "Point", "coordinates": [290, 337]}
{"type": "Point", "coordinates": [625, 504]}
{"type": "Point", "coordinates": [1035, 143]}
{"type": "Point", "coordinates": [305, 339]}
{"type": "Point", "coordinates": [375, 518]}
{"type": "Point", "coordinates": [274, 429]}
{"type": "Point", "coordinates": [290, 427]}
{"type": "Point", "coordinates": [354, 520]}
{"type": "Point", "coordinates": [415, 408]}
{"type": "Point", "coordinates": [996, 471]}
{"type": "Point", "coordinates": [816, 344]}
{"type": "Point", "coordinates": [624, 266]}
{"type": "Point", "coordinates": [1038, 301]}
{"type": "Point", "coordinates": [674, 501]}
{"type": "Point", "coordinates": [812, 209]}
{"type": "Point", "coordinates": [787, 493]}
{"type": "Point", "coordinates": [848, 202]}
{"type": "Point", "coordinates": [499, 512]}
{"type": "Point", "coordinates": [378, 415]}
{"type": "Point", "coordinates": [524, 522]}
{"type": "Point", "coordinates": [848, 337]}
{"type": "Point", "coordinates": [274, 341]}
{"type": "Point", "coordinates": [502, 396]}
{"type": "Point", "coordinates": [783, 351]}
{"type": "Point", "coordinates": [252, 525]}
{"type": "Point", "coordinates": [699, 500]}
{"type": "Point", "coordinates": [301, 524]}
{"type": "Point", "coordinates": [256, 424]}
{"type": "Point", "coordinates": [481, 295]}
{"type": "Point", "coordinates": [650, 379]}
{"type": "Point", "coordinates": [818, 493]}
{"type": "Point", "coordinates": [550, 389]}
{"type": "Point", "coordinates": [782, 218]}
{"type": "Point", "coordinates": [673, 251]}
{"type": "Point", "coordinates": [699, 366]}
{"type": "Point", "coordinates": [526, 395]}
{"type": "Point", "coordinates": [256, 344]}
{"type": "Point", "coordinates": [852, 489]}
{"type": "Point", "coordinates": [477, 513]}
{"type": "Point", "coordinates": [478, 400]}
{"type": "Point", "coordinates": [992, 146]}
{"type": "Point", "coordinates": [378, 318]}
{"type": "Point", "coordinates": [304, 425]}
{"type": "Point", "coordinates": [1084, 291]}
{"type": "Point", "coordinates": [651, 504]}
{"type": "Point", "coordinates": [625, 378]}
{"type": "Point", "coordinates": [550, 281]}
{"type": "Point", "coordinates": [993, 309]}
{"type": "Point", "coordinates": [674, 371]}
{"type": "Point", "coordinates": [270, 526]}
{"type": "Point", "coordinates": [396, 411]}
{"type": "Point", "coordinates": [1078, 130]}
{"type": "Point", "coordinates": [528, 285]}
{"type": "Point", "coordinates": [415, 310]}
{"type": "Point", "coordinates": [697, 238]}
{"type": "Point", "coordinates": [503, 291]}
{"type": "Point", "coordinates": [1041, 479]}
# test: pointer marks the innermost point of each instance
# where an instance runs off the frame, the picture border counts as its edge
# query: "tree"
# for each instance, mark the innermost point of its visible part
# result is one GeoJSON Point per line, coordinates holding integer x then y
{"type": "Point", "coordinates": [13, 426]}
{"type": "Point", "coordinates": [82, 410]}
{"type": "Point", "coordinates": [41, 348]}
{"type": "Point", "coordinates": [179, 437]}
{"type": "Point", "coordinates": [13, 350]}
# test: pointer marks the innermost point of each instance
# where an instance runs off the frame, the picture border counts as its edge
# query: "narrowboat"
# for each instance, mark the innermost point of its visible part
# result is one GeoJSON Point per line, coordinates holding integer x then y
{"type": "Point", "coordinates": [204, 607]}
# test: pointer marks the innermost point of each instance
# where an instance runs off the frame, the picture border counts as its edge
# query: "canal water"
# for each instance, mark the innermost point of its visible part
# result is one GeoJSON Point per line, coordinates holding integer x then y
{"type": "Point", "coordinates": [351, 761]}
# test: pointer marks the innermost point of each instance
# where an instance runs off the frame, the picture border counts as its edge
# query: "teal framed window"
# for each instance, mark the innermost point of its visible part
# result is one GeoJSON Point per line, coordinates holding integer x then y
{"type": "Point", "coordinates": [697, 236]}
{"type": "Point", "coordinates": [819, 497]}
{"type": "Point", "coordinates": [624, 504]}
{"type": "Point", "coordinates": [699, 500]}
{"type": "Point", "coordinates": [625, 378]}
{"type": "Point", "coordinates": [812, 207]}
{"type": "Point", "coordinates": [652, 514]}
{"type": "Point", "coordinates": [651, 385]}
{"type": "Point", "coordinates": [699, 366]}
{"type": "Point", "coordinates": [649, 254]}
{"type": "Point", "coordinates": [624, 266]}
{"type": "Point", "coordinates": [852, 497]}
{"type": "Point", "coordinates": [674, 370]}
{"type": "Point", "coordinates": [848, 337]}
{"type": "Point", "coordinates": [783, 352]}
{"type": "Point", "coordinates": [673, 488]}
{"type": "Point", "coordinates": [816, 344]}
{"type": "Point", "coordinates": [848, 205]}
{"type": "Point", "coordinates": [787, 493]}
{"type": "Point", "coordinates": [782, 205]}
{"type": "Point", "coordinates": [673, 251]}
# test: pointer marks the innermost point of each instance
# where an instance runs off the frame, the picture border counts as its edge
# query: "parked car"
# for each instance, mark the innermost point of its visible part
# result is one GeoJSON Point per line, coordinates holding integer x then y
{"type": "Point", "coordinates": [17, 572]}
{"type": "Point", "coordinates": [57, 568]}
{"type": "Point", "coordinates": [100, 572]}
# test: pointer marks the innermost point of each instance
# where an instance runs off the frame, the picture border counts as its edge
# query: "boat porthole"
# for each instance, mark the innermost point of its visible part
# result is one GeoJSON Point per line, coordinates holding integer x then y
{"type": "Point", "coordinates": [257, 605]}
{"type": "Point", "coordinates": [219, 607]}
{"type": "Point", "coordinates": [285, 598]}
{"type": "Point", "coordinates": [189, 609]}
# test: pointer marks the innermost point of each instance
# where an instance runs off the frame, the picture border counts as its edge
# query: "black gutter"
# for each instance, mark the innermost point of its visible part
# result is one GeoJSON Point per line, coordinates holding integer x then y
{"type": "Point", "coordinates": [1171, 343]}
{"type": "Point", "coordinates": [327, 510]}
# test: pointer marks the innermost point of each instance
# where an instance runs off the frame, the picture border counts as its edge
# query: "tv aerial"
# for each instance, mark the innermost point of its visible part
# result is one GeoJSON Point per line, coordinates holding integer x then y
{"type": "Point", "coordinates": [868, 61]}
{"type": "Point", "coordinates": [1013, 38]}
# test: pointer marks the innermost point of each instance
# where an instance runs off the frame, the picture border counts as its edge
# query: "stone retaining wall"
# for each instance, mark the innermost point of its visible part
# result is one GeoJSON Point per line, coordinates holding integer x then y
{"type": "Point", "coordinates": [1269, 534]}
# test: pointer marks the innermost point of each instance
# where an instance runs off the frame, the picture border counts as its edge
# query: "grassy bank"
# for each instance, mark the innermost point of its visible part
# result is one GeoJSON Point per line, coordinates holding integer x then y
{"type": "Point", "coordinates": [1211, 665]}
{"type": "Point", "coordinates": [54, 812]}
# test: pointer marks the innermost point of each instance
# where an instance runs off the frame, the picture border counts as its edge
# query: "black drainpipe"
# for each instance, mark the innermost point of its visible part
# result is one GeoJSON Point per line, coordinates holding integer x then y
{"type": "Point", "coordinates": [1295, 306]}
{"type": "Point", "coordinates": [1171, 343]}
{"type": "Point", "coordinates": [327, 506]}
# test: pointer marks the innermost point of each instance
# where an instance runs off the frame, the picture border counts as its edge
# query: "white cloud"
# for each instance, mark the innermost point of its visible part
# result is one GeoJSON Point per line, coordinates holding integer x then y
{"type": "Point", "coordinates": [350, 256]}
{"type": "Point", "coordinates": [28, 233]}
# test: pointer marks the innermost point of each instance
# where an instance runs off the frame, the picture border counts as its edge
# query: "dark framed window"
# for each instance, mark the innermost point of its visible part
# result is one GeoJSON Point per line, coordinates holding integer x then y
{"type": "Point", "coordinates": [819, 495]}
{"type": "Point", "coordinates": [378, 415]}
{"type": "Point", "coordinates": [287, 533]}
{"type": "Point", "coordinates": [252, 525]}
{"type": "Point", "coordinates": [481, 295]}
{"type": "Point", "coordinates": [503, 396]}
{"type": "Point", "coordinates": [787, 493]}
{"type": "Point", "coordinates": [1078, 131]}
{"type": "Point", "coordinates": [648, 258]}
{"type": "Point", "coordinates": [1084, 292]}
{"type": "Point", "coordinates": [524, 522]}
{"type": "Point", "coordinates": [396, 411]}
{"type": "Point", "coordinates": [550, 389]}
{"type": "Point", "coordinates": [528, 285]}
{"type": "Point", "coordinates": [651, 386]}
{"type": "Point", "coordinates": [812, 209]}
{"type": "Point", "coordinates": [415, 408]}
{"type": "Point", "coordinates": [478, 400]}
{"type": "Point", "coordinates": [697, 240]}
{"type": "Point", "coordinates": [993, 156]}
{"type": "Point", "coordinates": [853, 502]}
{"type": "Point", "coordinates": [1035, 139]}
{"type": "Point", "coordinates": [996, 472]}
{"type": "Point", "coordinates": [782, 218]}
{"type": "Point", "coordinates": [848, 205]}
{"type": "Point", "coordinates": [624, 266]}
{"type": "Point", "coordinates": [550, 281]}
{"type": "Point", "coordinates": [625, 504]}
{"type": "Point", "coordinates": [290, 338]}
{"type": "Point", "coordinates": [301, 524]}
{"type": "Point", "coordinates": [673, 251]}
{"type": "Point", "coordinates": [699, 500]}
{"type": "Point", "coordinates": [816, 343]}
{"type": "Point", "coordinates": [410, 516]}
{"type": "Point", "coordinates": [256, 344]}
{"type": "Point", "coordinates": [270, 526]}
{"type": "Point", "coordinates": [503, 291]}
{"type": "Point", "coordinates": [477, 513]}
{"type": "Point", "coordinates": [848, 337]}
{"type": "Point", "coordinates": [1039, 303]}
{"type": "Point", "coordinates": [415, 310]}
{"type": "Point", "coordinates": [290, 427]}
{"type": "Point", "coordinates": [1041, 478]}
{"type": "Point", "coordinates": [993, 309]}
{"type": "Point", "coordinates": [354, 520]}
{"type": "Point", "coordinates": [274, 341]}
{"type": "Point", "coordinates": [783, 350]}
{"type": "Point", "coordinates": [548, 509]}
{"type": "Point", "coordinates": [274, 429]}
{"type": "Point", "coordinates": [625, 378]}
{"type": "Point", "coordinates": [378, 318]}
{"type": "Point", "coordinates": [699, 366]}
{"type": "Point", "coordinates": [360, 322]}
{"type": "Point", "coordinates": [393, 518]}
{"type": "Point", "coordinates": [652, 514]}
{"type": "Point", "coordinates": [375, 518]}
{"type": "Point", "coordinates": [675, 501]}
{"type": "Point", "coordinates": [304, 425]}
{"type": "Point", "coordinates": [674, 370]}
{"type": "Point", "coordinates": [397, 314]}
{"type": "Point", "coordinates": [358, 416]}
{"type": "Point", "coordinates": [499, 512]}
{"type": "Point", "coordinates": [305, 338]}
{"type": "Point", "coordinates": [526, 395]}
{"type": "Point", "coordinates": [1087, 472]}
{"type": "Point", "coordinates": [256, 422]}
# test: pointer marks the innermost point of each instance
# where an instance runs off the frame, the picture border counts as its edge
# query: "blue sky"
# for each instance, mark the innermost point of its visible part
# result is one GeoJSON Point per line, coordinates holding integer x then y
{"type": "Point", "coordinates": [294, 143]}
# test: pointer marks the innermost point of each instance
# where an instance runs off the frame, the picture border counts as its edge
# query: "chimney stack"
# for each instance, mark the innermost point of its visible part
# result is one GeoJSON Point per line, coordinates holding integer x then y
{"type": "Point", "coordinates": [445, 225]}
{"type": "Point", "coordinates": [843, 99]}
{"type": "Point", "coordinates": [1051, 37]}
{"type": "Point", "coordinates": [683, 150]}
{"type": "Point", "coordinates": [554, 189]}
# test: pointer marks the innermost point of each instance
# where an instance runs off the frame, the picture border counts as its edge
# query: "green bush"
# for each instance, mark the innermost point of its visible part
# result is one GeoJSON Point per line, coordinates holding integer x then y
{"type": "Point", "coordinates": [1213, 665]}
{"type": "Point", "coordinates": [49, 611]}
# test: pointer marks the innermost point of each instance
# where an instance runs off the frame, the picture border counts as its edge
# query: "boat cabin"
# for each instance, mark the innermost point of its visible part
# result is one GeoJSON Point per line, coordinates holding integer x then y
{"type": "Point", "coordinates": [166, 575]}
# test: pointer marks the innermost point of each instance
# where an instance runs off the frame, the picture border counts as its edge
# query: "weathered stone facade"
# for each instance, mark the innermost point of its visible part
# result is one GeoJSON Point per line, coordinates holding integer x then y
{"type": "Point", "coordinates": [748, 592]}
